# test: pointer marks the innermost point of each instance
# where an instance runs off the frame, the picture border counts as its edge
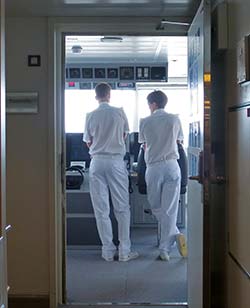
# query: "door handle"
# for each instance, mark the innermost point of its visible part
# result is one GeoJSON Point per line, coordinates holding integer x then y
{"type": "Point", "coordinates": [8, 228]}
{"type": "Point", "coordinates": [218, 179]}
{"type": "Point", "coordinates": [194, 178]}
{"type": "Point", "coordinates": [213, 179]}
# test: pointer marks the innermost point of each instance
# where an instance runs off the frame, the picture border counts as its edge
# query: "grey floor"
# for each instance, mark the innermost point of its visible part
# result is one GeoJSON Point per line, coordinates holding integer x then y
{"type": "Point", "coordinates": [144, 280]}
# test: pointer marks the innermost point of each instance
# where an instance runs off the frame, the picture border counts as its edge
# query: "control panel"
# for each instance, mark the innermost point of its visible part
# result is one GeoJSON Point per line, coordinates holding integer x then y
{"type": "Point", "coordinates": [124, 76]}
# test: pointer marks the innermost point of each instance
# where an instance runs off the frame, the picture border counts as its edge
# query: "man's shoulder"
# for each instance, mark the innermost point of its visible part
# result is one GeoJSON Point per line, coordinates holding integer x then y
{"type": "Point", "coordinates": [175, 117]}
{"type": "Point", "coordinates": [116, 109]}
{"type": "Point", "coordinates": [171, 116]}
{"type": "Point", "coordinates": [90, 114]}
{"type": "Point", "coordinates": [109, 109]}
{"type": "Point", "coordinates": [145, 122]}
{"type": "Point", "coordinates": [148, 118]}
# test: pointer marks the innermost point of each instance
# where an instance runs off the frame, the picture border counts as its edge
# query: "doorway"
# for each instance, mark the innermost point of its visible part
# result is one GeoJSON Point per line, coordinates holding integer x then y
{"type": "Point", "coordinates": [60, 193]}
{"type": "Point", "coordinates": [133, 66]}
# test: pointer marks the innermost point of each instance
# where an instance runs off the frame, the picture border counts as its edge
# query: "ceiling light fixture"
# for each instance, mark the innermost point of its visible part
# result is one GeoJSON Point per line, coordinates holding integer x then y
{"type": "Point", "coordinates": [111, 39]}
{"type": "Point", "coordinates": [80, 1]}
{"type": "Point", "coordinates": [117, 2]}
{"type": "Point", "coordinates": [167, 22]}
{"type": "Point", "coordinates": [76, 49]}
{"type": "Point", "coordinates": [128, 1]}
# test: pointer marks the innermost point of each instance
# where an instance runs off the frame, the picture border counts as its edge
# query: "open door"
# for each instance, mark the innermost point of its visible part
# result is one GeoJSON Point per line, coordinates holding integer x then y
{"type": "Point", "coordinates": [199, 153]}
{"type": "Point", "coordinates": [3, 228]}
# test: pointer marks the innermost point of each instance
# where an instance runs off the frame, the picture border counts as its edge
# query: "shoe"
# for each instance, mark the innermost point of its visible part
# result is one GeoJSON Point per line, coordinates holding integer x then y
{"type": "Point", "coordinates": [132, 255]}
{"type": "Point", "coordinates": [182, 244]}
{"type": "Point", "coordinates": [108, 258]}
{"type": "Point", "coordinates": [164, 256]}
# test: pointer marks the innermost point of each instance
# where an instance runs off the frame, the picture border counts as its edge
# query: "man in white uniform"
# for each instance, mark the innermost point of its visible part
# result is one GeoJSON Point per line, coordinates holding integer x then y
{"type": "Point", "coordinates": [105, 131]}
{"type": "Point", "coordinates": [160, 133]}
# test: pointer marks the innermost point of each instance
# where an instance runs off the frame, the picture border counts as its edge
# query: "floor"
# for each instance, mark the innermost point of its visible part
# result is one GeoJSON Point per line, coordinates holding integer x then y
{"type": "Point", "coordinates": [144, 280]}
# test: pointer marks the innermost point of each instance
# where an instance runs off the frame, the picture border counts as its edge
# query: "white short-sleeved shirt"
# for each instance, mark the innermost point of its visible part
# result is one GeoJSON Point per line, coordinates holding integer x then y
{"type": "Point", "coordinates": [105, 128]}
{"type": "Point", "coordinates": [160, 131]}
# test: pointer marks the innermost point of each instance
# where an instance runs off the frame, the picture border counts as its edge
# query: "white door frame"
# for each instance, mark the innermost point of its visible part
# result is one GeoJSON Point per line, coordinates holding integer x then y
{"type": "Point", "coordinates": [57, 27]}
{"type": "Point", "coordinates": [3, 227]}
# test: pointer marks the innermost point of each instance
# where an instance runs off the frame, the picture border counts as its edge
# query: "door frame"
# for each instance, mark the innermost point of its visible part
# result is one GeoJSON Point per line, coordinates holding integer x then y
{"type": "Point", "coordinates": [202, 21]}
{"type": "Point", "coordinates": [58, 27]}
{"type": "Point", "coordinates": [3, 227]}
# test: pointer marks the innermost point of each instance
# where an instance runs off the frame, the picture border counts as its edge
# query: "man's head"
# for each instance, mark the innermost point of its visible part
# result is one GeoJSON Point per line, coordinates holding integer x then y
{"type": "Point", "coordinates": [102, 91]}
{"type": "Point", "coordinates": [156, 100]}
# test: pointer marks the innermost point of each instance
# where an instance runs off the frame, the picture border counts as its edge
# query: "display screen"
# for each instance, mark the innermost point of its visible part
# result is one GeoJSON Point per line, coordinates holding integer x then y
{"type": "Point", "coordinates": [127, 73]}
{"type": "Point", "coordinates": [87, 73]}
{"type": "Point", "coordinates": [74, 73]}
{"type": "Point", "coordinates": [100, 73]}
{"type": "Point", "coordinates": [112, 73]}
{"type": "Point", "coordinates": [158, 73]}
{"type": "Point", "coordinates": [85, 85]}
{"type": "Point", "coordinates": [126, 85]}
{"type": "Point", "coordinates": [142, 72]}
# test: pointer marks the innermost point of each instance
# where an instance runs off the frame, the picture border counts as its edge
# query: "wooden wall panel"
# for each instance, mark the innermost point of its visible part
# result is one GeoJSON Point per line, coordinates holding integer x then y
{"type": "Point", "coordinates": [239, 186]}
{"type": "Point", "coordinates": [238, 287]}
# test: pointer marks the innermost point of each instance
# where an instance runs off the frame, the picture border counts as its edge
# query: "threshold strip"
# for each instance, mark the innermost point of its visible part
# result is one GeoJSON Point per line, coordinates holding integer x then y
{"type": "Point", "coordinates": [167, 304]}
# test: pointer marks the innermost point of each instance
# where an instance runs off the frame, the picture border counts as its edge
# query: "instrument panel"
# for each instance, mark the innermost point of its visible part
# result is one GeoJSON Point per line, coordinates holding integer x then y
{"type": "Point", "coordinates": [119, 77]}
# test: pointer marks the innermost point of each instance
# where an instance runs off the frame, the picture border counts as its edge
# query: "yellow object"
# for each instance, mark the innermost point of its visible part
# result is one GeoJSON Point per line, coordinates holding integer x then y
{"type": "Point", "coordinates": [207, 77]}
{"type": "Point", "coordinates": [182, 244]}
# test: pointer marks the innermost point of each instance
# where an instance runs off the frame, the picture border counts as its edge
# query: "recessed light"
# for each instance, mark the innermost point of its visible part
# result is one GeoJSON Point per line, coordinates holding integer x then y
{"type": "Point", "coordinates": [106, 2]}
{"type": "Point", "coordinates": [76, 49]}
{"type": "Point", "coordinates": [80, 1]}
{"type": "Point", "coordinates": [110, 39]}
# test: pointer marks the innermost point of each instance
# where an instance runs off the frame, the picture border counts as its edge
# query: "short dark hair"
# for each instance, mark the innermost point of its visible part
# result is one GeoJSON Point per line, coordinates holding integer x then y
{"type": "Point", "coordinates": [158, 97]}
{"type": "Point", "coordinates": [102, 89]}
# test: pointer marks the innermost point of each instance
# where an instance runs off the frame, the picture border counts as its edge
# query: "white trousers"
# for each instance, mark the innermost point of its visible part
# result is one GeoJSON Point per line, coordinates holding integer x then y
{"type": "Point", "coordinates": [109, 174]}
{"type": "Point", "coordinates": [163, 189]}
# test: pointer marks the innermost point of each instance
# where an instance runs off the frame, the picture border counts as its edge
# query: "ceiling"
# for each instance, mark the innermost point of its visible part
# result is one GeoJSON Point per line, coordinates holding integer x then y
{"type": "Point", "coordinates": [130, 50]}
{"type": "Point", "coordinates": [163, 8]}
{"type": "Point", "coordinates": [133, 50]}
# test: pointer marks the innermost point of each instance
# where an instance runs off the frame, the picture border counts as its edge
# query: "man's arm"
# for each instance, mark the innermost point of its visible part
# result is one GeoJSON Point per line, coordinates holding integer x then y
{"type": "Point", "coordinates": [126, 126]}
{"type": "Point", "coordinates": [180, 136]}
{"type": "Point", "coordinates": [141, 137]}
{"type": "Point", "coordinates": [87, 136]}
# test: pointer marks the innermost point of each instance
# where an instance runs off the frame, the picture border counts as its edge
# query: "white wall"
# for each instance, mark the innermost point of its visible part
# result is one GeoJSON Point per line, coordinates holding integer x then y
{"type": "Point", "coordinates": [27, 160]}
{"type": "Point", "coordinates": [27, 148]}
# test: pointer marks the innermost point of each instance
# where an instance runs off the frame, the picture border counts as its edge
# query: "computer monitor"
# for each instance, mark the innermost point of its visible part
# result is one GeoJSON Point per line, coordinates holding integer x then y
{"type": "Point", "coordinates": [76, 149]}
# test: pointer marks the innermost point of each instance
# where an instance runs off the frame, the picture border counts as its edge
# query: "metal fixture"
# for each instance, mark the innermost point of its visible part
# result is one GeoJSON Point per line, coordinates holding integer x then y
{"type": "Point", "coordinates": [76, 49]}
{"type": "Point", "coordinates": [164, 22]}
{"type": "Point", "coordinates": [111, 39]}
